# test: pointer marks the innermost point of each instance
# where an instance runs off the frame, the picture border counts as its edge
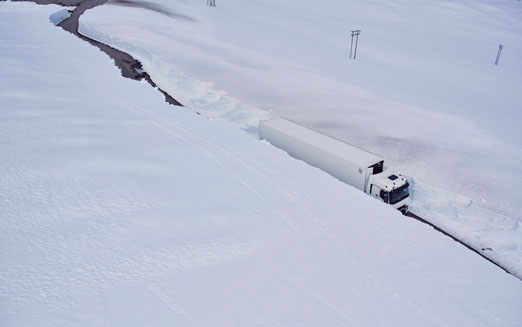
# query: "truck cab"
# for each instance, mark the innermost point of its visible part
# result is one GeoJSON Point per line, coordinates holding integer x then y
{"type": "Point", "coordinates": [390, 188]}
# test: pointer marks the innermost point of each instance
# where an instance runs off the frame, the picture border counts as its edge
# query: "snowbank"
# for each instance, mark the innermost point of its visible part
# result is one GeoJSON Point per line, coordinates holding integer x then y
{"type": "Point", "coordinates": [199, 96]}
{"type": "Point", "coordinates": [495, 236]}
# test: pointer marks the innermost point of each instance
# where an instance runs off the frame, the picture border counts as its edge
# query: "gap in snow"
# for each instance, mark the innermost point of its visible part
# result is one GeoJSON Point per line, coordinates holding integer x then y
{"type": "Point", "coordinates": [129, 67]}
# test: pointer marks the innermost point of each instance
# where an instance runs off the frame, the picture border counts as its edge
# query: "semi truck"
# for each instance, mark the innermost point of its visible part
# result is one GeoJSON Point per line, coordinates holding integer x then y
{"type": "Point", "coordinates": [350, 164]}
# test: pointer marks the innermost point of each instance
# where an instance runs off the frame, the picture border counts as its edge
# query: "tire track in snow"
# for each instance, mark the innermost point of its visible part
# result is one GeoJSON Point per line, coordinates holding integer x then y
{"type": "Point", "coordinates": [316, 221]}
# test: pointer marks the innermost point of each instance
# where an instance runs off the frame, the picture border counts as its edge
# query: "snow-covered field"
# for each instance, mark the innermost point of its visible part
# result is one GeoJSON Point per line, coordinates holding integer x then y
{"type": "Point", "coordinates": [423, 92]}
{"type": "Point", "coordinates": [119, 210]}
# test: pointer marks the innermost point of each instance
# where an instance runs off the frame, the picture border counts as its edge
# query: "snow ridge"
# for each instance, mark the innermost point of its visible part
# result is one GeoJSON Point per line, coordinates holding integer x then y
{"type": "Point", "coordinates": [199, 96]}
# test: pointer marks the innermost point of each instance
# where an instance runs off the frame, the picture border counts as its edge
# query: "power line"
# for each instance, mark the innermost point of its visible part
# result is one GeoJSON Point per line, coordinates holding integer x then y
{"type": "Point", "coordinates": [356, 35]}
{"type": "Point", "coordinates": [500, 47]}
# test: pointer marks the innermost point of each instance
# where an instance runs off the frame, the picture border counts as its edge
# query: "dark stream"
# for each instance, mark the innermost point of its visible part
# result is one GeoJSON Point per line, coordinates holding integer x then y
{"type": "Point", "coordinates": [130, 67]}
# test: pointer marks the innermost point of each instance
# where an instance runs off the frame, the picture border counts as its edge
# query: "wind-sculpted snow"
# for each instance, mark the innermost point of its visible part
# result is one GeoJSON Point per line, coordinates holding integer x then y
{"type": "Point", "coordinates": [200, 96]}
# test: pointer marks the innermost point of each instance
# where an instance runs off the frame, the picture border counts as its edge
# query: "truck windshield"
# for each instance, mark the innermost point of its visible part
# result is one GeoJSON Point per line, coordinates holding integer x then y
{"type": "Point", "coordinates": [399, 194]}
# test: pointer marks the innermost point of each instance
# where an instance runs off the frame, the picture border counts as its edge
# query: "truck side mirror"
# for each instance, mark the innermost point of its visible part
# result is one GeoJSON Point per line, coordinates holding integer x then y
{"type": "Point", "coordinates": [384, 195]}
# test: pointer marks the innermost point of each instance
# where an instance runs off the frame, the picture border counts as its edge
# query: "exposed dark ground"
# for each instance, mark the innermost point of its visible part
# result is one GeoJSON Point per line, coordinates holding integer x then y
{"type": "Point", "coordinates": [130, 67]}
{"type": "Point", "coordinates": [414, 216]}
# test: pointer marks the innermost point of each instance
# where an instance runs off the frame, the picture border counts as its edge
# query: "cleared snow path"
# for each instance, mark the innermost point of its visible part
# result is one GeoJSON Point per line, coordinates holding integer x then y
{"type": "Point", "coordinates": [117, 210]}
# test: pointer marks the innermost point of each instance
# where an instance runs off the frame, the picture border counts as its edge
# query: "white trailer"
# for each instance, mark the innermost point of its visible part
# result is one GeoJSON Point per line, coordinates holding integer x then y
{"type": "Point", "coordinates": [348, 163]}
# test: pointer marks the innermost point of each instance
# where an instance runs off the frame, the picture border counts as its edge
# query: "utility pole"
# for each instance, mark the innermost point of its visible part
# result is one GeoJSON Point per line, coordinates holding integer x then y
{"type": "Point", "coordinates": [356, 34]}
{"type": "Point", "coordinates": [500, 47]}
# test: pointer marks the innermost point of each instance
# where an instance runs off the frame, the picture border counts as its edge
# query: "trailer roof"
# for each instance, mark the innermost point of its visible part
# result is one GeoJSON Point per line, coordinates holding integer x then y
{"type": "Point", "coordinates": [325, 142]}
